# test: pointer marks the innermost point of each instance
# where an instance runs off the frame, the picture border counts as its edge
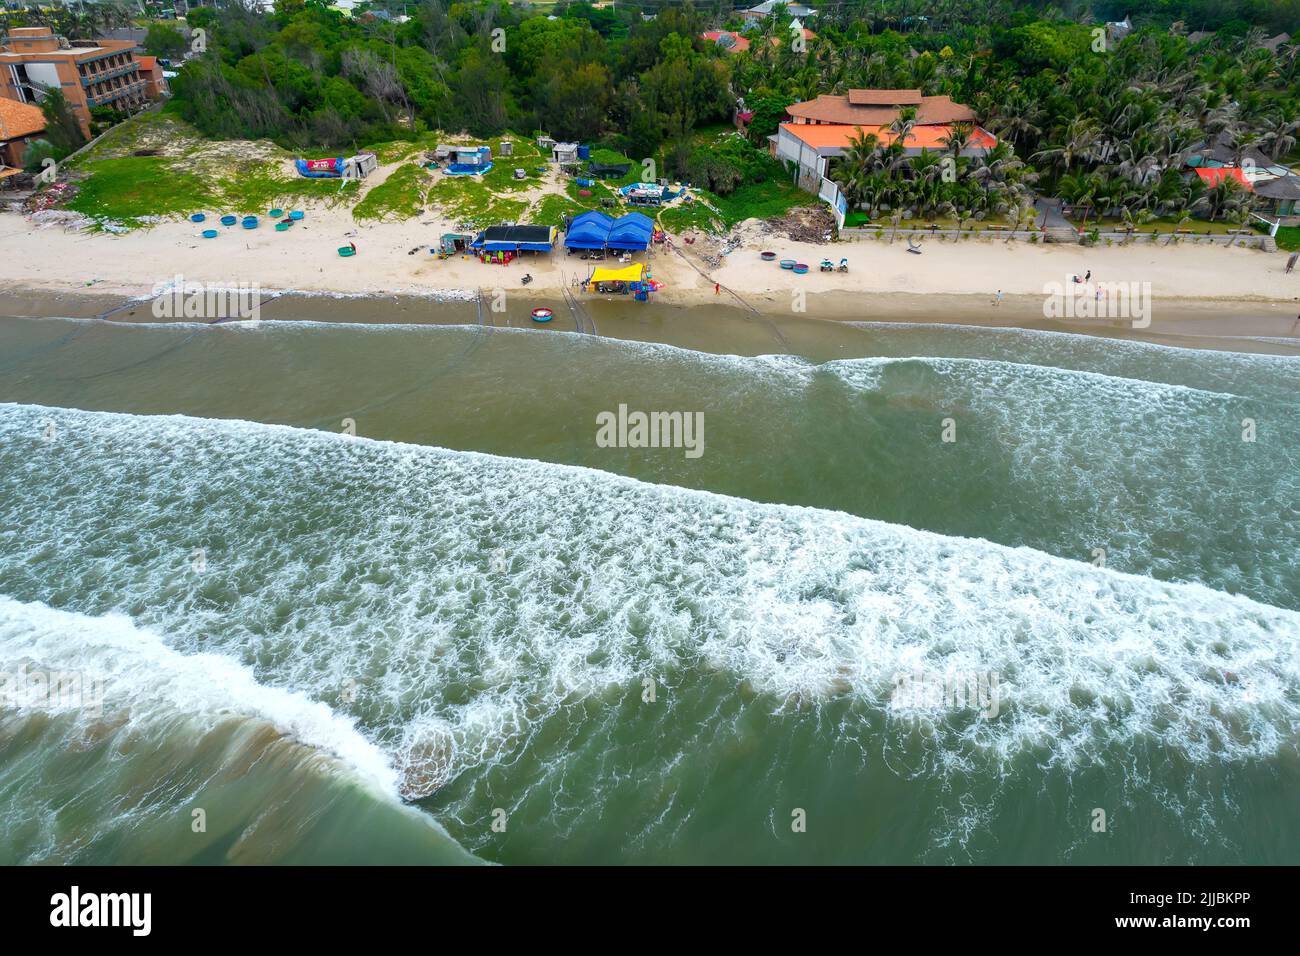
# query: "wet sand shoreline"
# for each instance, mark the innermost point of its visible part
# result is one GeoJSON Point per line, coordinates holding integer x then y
{"type": "Point", "coordinates": [722, 327]}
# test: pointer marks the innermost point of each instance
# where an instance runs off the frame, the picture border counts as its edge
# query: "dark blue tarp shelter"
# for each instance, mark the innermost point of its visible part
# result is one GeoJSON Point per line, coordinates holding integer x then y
{"type": "Point", "coordinates": [515, 239]}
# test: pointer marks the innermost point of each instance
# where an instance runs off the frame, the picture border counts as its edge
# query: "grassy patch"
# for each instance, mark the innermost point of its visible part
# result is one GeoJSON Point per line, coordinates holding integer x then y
{"type": "Point", "coordinates": [1165, 225]}
{"type": "Point", "coordinates": [693, 215]}
{"type": "Point", "coordinates": [1288, 238]}
{"type": "Point", "coordinates": [761, 200]}
{"type": "Point", "coordinates": [133, 187]}
{"type": "Point", "coordinates": [552, 209]}
{"type": "Point", "coordinates": [395, 151]}
{"type": "Point", "coordinates": [400, 196]}
{"type": "Point", "coordinates": [468, 200]}
{"type": "Point", "coordinates": [712, 213]}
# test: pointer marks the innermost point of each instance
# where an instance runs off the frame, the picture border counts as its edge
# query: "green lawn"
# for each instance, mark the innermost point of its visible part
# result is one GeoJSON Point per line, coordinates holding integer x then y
{"type": "Point", "coordinates": [1288, 238]}
{"type": "Point", "coordinates": [133, 187]}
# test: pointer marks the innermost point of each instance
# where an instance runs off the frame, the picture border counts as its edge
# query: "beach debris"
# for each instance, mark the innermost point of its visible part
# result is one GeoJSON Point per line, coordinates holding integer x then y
{"type": "Point", "coordinates": [56, 194]}
{"type": "Point", "coordinates": [802, 224]}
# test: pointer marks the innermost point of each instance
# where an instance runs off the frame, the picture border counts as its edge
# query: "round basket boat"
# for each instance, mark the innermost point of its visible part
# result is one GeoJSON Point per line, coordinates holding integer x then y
{"type": "Point", "coordinates": [543, 315]}
{"type": "Point", "coordinates": [296, 215]}
{"type": "Point", "coordinates": [800, 268]}
{"type": "Point", "coordinates": [276, 213]}
{"type": "Point", "coordinates": [209, 233]}
{"type": "Point", "coordinates": [346, 251]}
{"type": "Point", "coordinates": [229, 220]}
{"type": "Point", "coordinates": [250, 222]}
{"type": "Point", "coordinates": [198, 217]}
{"type": "Point", "coordinates": [787, 263]}
{"type": "Point", "coordinates": [281, 226]}
{"type": "Point", "coordinates": [767, 256]}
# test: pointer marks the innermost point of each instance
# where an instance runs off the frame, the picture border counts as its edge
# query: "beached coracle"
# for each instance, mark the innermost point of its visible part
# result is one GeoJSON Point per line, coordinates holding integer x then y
{"type": "Point", "coordinates": [787, 263]}
{"type": "Point", "coordinates": [767, 256]}
{"type": "Point", "coordinates": [229, 220]}
{"type": "Point", "coordinates": [249, 222]}
{"type": "Point", "coordinates": [198, 217]}
{"type": "Point", "coordinates": [346, 251]}
{"type": "Point", "coordinates": [296, 215]}
{"type": "Point", "coordinates": [276, 213]}
{"type": "Point", "coordinates": [210, 233]}
{"type": "Point", "coordinates": [543, 315]}
{"type": "Point", "coordinates": [282, 226]}
{"type": "Point", "coordinates": [800, 268]}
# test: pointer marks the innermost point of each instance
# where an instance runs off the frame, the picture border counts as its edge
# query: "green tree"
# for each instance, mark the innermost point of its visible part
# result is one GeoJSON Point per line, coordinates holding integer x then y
{"type": "Point", "coordinates": [163, 39]}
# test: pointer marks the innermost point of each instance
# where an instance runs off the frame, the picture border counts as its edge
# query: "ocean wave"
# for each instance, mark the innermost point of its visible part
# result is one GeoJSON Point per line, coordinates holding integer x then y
{"type": "Point", "coordinates": [161, 731]}
{"type": "Point", "coordinates": [473, 596]}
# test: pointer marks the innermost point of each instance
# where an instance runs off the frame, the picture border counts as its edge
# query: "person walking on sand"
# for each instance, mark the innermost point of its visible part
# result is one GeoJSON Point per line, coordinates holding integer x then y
{"type": "Point", "coordinates": [717, 288]}
{"type": "Point", "coordinates": [1087, 276]}
{"type": "Point", "coordinates": [997, 299]}
{"type": "Point", "coordinates": [1290, 262]}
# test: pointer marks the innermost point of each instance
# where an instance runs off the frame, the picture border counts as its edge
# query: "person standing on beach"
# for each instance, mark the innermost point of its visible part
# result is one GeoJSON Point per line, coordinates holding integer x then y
{"type": "Point", "coordinates": [1290, 262]}
{"type": "Point", "coordinates": [717, 288]}
{"type": "Point", "coordinates": [1087, 276]}
{"type": "Point", "coordinates": [997, 299]}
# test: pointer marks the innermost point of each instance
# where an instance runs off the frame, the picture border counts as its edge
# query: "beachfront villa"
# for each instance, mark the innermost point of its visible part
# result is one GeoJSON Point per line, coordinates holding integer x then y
{"type": "Point", "coordinates": [821, 129]}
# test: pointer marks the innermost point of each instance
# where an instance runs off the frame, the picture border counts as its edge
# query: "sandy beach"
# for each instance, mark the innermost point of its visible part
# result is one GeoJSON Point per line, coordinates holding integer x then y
{"type": "Point", "coordinates": [1195, 290]}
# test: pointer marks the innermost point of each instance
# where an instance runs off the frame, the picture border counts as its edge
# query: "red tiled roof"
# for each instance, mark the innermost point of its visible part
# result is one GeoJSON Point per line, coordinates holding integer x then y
{"type": "Point", "coordinates": [826, 136]}
{"type": "Point", "coordinates": [147, 62]}
{"type": "Point", "coordinates": [19, 119]}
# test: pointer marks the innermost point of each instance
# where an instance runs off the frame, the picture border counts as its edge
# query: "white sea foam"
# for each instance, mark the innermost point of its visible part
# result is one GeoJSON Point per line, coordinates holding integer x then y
{"type": "Point", "coordinates": [332, 561]}
{"type": "Point", "coordinates": [144, 678]}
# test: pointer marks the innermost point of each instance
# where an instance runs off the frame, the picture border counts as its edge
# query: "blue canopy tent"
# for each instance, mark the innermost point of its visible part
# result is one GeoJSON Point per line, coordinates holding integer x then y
{"type": "Point", "coordinates": [590, 230]}
{"type": "Point", "coordinates": [632, 231]}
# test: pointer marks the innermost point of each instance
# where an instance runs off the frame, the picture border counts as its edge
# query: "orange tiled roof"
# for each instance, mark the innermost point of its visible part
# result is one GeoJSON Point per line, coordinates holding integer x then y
{"type": "Point", "coordinates": [841, 109]}
{"type": "Point", "coordinates": [1217, 174]}
{"type": "Point", "coordinates": [147, 62]}
{"type": "Point", "coordinates": [19, 119]}
{"type": "Point", "coordinates": [921, 137]}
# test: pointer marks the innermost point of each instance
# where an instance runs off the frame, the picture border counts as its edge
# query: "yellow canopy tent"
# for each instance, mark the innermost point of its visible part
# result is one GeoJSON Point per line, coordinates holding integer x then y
{"type": "Point", "coordinates": [632, 273]}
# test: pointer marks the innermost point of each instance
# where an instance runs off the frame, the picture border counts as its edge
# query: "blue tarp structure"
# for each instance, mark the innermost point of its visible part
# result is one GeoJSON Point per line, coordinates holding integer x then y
{"type": "Point", "coordinates": [632, 231]}
{"type": "Point", "coordinates": [595, 230]}
{"type": "Point", "coordinates": [588, 231]}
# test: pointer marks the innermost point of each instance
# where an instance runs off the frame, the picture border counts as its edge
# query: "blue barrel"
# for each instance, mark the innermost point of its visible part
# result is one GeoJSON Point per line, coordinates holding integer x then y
{"type": "Point", "coordinates": [584, 152]}
{"type": "Point", "coordinates": [198, 217]}
{"type": "Point", "coordinates": [229, 220]}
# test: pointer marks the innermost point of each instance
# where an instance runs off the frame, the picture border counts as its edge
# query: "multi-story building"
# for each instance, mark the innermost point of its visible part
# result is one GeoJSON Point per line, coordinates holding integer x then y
{"type": "Point", "coordinates": [89, 73]}
{"type": "Point", "coordinates": [823, 128]}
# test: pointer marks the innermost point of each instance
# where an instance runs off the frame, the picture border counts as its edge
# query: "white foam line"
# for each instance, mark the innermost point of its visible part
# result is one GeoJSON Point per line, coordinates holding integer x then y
{"type": "Point", "coordinates": [140, 674]}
